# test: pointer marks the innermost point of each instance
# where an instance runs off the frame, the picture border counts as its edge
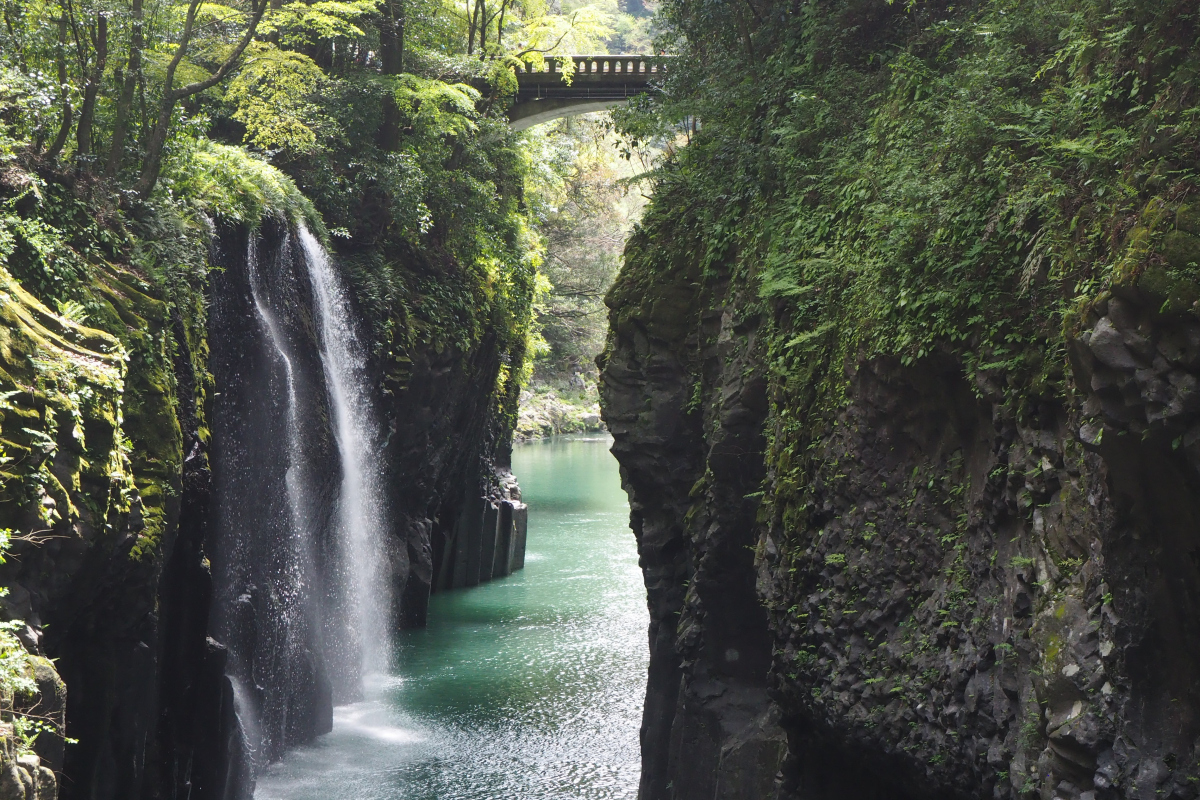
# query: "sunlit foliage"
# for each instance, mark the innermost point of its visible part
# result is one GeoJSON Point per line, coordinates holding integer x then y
{"type": "Point", "coordinates": [909, 181]}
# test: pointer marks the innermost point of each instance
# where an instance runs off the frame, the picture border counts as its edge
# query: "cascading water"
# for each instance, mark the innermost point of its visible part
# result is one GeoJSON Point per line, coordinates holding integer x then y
{"type": "Point", "coordinates": [265, 610]}
{"type": "Point", "coordinates": [360, 510]}
{"type": "Point", "coordinates": [300, 567]}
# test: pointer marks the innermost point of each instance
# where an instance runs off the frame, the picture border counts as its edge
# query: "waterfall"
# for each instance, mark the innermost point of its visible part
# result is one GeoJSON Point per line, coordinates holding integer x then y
{"type": "Point", "coordinates": [300, 566]}
{"type": "Point", "coordinates": [266, 610]}
{"type": "Point", "coordinates": [360, 511]}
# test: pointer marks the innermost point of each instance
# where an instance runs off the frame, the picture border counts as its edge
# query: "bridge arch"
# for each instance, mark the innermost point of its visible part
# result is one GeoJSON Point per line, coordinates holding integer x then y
{"type": "Point", "coordinates": [600, 82]}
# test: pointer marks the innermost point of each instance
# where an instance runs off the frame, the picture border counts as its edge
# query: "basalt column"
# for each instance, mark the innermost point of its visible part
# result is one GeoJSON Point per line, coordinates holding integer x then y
{"type": "Point", "coordinates": [672, 371]}
{"type": "Point", "coordinates": [487, 540]}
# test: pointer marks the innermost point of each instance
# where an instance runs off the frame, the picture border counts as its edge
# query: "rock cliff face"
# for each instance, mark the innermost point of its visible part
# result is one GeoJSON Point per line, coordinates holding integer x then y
{"type": "Point", "coordinates": [100, 508]}
{"type": "Point", "coordinates": [685, 401]}
{"type": "Point", "coordinates": [975, 602]}
{"type": "Point", "coordinates": [124, 463]}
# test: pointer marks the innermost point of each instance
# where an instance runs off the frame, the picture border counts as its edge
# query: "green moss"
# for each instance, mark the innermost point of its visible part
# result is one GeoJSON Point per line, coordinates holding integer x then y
{"type": "Point", "coordinates": [1187, 218]}
{"type": "Point", "coordinates": [1181, 250]}
{"type": "Point", "coordinates": [661, 292]}
{"type": "Point", "coordinates": [61, 381]}
{"type": "Point", "coordinates": [1177, 294]}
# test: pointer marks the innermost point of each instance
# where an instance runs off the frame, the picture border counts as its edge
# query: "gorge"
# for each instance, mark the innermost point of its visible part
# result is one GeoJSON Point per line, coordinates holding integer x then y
{"type": "Point", "coordinates": [901, 371]}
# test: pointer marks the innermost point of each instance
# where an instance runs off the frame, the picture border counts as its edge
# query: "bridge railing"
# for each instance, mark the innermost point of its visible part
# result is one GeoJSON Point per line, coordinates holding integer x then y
{"type": "Point", "coordinates": [624, 68]}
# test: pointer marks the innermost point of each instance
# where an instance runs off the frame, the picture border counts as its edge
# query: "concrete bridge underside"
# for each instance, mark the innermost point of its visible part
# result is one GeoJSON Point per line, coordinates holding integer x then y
{"type": "Point", "coordinates": [599, 83]}
{"type": "Point", "coordinates": [535, 112]}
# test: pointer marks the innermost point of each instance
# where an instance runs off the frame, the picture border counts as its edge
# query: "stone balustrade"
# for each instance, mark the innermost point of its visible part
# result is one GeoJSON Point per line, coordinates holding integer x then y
{"type": "Point", "coordinates": [599, 82]}
{"type": "Point", "coordinates": [598, 68]}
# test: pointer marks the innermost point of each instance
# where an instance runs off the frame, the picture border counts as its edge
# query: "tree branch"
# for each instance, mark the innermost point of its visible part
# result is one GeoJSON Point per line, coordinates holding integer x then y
{"type": "Point", "coordinates": [171, 96]}
{"type": "Point", "coordinates": [570, 27]}
{"type": "Point", "coordinates": [181, 50]}
{"type": "Point", "coordinates": [199, 86]}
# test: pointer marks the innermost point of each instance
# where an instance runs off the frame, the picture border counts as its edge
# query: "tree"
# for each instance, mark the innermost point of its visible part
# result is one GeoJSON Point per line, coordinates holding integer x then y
{"type": "Point", "coordinates": [129, 82]}
{"type": "Point", "coordinates": [92, 51]}
{"type": "Point", "coordinates": [585, 214]}
{"type": "Point", "coordinates": [171, 95]}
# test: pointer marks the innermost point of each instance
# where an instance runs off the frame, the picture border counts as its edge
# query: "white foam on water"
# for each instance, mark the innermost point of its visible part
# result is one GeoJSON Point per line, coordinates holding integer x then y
{"type": "Point", "coordinates": [359, 720]}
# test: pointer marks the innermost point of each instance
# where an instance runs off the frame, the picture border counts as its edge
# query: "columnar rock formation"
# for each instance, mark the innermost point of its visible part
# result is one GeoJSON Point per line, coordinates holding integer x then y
{"type": "Point", "coordinates": [486, 541]}
{"type": "Point", "coordinates": [977, 604]}
{"type": "Point", "coordinates": [197, 632]}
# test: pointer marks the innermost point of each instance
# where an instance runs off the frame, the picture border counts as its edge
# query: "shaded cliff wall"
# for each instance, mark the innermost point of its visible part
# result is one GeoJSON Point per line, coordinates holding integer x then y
{"type": "Point", "coordinates": [448, 414]}
{"type": "Point", "coordinates": [909, 429]}
{"type": "Point", "coordinates": [110, 409]}
{"type": "Point", "coordinates": [448, 444]}
{"type": "Point", "coordinates": [685, 399]}
{"type": "Point", "coordinates": [975, 605]}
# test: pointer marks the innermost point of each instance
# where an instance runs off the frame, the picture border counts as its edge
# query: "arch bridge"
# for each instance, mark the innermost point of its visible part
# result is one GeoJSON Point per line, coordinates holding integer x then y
{"type": "Point", "coordinates": [600, 82]}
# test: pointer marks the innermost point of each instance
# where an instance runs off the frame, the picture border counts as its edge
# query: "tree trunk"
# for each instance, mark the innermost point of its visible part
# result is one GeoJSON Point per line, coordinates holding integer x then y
{"type": "Point", "coordinates": [171, 96]}
{"type": "Point", "coordinates": [391, 54]}
{"type": "Point", "coordinates": [64, 129]}
{"type": "Point", "coordinates": [472, 27]}
{"type": "Point", "coordinates": [483, 26]}
{"type": "Point", "coordinates": [83, 132]}
{"type": "Point", "coordinates": [133, 69]}
{"type": "Point", "coordinates": [154, 147]}
{"type": "Point", "coordinates": [402, 27]}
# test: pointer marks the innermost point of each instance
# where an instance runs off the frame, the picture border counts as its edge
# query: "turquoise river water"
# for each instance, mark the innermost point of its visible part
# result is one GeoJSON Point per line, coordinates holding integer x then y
{"type": "Point", "coordinates": [525, 688]}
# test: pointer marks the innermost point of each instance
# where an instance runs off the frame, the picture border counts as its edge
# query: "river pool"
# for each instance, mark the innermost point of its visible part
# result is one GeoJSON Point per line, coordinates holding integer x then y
{"type": "Point", "coordinates": [525, 688]}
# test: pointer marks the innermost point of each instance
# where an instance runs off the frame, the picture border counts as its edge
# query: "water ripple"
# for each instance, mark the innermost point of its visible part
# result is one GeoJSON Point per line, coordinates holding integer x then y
{"type": "Point", "coordinates": [529, 688]}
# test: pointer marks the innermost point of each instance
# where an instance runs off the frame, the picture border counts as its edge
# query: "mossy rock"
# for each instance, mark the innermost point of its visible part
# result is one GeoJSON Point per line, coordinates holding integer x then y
{"type": "Point", "coordinates": [1137, 246]}
{"type": "Point", "coordinates": [1176, 293]}
{"type": "Point", "coordinates": [69, 393]}
{"type": "Point", "coordinates": [1174, 285]}
{"type": "Point", "coordinates": [1140, 242]}
{"type": "Point", "coordinates": [1187, 219]}
{"type": "Point", "coordinates": [1181, 250]}
{"type": "Point", "coordinates": [657, 287]}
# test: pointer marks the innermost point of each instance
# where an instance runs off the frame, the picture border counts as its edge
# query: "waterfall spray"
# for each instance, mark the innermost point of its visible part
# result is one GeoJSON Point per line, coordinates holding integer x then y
{"type": "Point", "coordinates": [360, 510]}
{"type": "Point", "coordinates": [299, 556]}
{"type": "Point", "coordinates": [294, 583]}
